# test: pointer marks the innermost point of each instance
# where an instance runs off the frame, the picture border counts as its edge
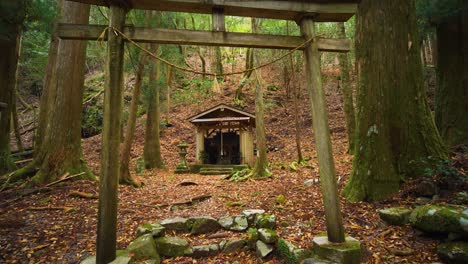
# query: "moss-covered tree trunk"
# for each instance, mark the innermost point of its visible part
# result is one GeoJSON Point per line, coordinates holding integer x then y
{"type": "Point", "coordinates": [125, 176]}
{"type": "Point", "coordinates": [12, 13]}
{"type": "Point", "coordinates": [394, 124]}
{"type": "Point", "coordinates": [152, 148]}
{"type": "Point", "coordinates": [347, 91]}
{"type": "Point", "coordinates": [60, 144]}
{"type": "Point", "coordinates": [49, 88]}
{"type": "Point", "coordinates": [452, 77]}
{"type": "Point", "coordinates": [260, 168]}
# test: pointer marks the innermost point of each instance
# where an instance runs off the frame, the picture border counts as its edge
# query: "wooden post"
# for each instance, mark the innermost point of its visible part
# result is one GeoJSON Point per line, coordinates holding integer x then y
{"type": "Point", "coordinates": [335, 230]}
{"type": "Point", "coordinates": [108, 185]}
{"type": "Point", "coordinates": [200, 141]}
{"type": "Point", "coordinates": [218, 20]}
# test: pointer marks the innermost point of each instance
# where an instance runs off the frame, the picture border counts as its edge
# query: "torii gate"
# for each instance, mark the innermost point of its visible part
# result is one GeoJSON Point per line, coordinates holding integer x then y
{"type": "Point", "coordinates": [304, 12]}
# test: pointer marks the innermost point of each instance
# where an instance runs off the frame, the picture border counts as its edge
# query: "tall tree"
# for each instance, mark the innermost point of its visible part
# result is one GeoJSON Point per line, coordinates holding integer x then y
{"type": "Point", "coordinates": [59, 151]}
{"type": "Point", "coordinates": [347, 91]}
{"type": "Point", "coordinates": [152, 148]}
{"type": "Point", "coordinates": [12, 14]}
{"type": "Point", "coordinates": [125, 175]}
{"type": "Point", "coordinates": [260, 168]}
{"type": "Point", "coordinates": [394, 124]}
{"type": "Point", "coordinates": [452, 70]}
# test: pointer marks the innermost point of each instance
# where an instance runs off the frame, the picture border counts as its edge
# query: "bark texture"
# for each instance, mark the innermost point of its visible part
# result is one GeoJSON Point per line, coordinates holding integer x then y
{"type": "Point", "coordinates": [152, 148]}
{"type": "Point", "coordinates": [260, 168]}
{"type": "Point", "coordinates": [452, 78]}
{"type": "Point", "coordinates": [106, 241]}
{"type": "Point", "coordinates": [12, 14]}
{"type": "Point", "coordinates": [125, 176]}
{"type": "Point", "coordinates": [394, 124]}
{"type": "Point", "coordinates": [347, 91]}
{"type": "Point", "coordinates": [60, 149]}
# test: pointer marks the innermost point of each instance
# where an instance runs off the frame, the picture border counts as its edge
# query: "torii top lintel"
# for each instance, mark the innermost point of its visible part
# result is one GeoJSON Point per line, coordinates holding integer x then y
{"type": "Point", "coordinates": [322, 10]}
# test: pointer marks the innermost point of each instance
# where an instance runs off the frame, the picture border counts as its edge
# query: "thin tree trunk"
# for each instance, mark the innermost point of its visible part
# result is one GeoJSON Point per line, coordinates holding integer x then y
{"type": "Point", "coordinates": [297, 123]}
{"type": "Point", "coordinates": [260, 169]}
{"type": "Point", "coordinates": [394, 125]}
{"type": "Point", "coordinates": [452, 78]}
{"type": "Point", "coordinates": [125, 176]}
{"type": "Point", "coordinates": [170, 72]}
{"type": "Point", "coordinates": [16, 129]}
{"type": "Point", "coordinates": [199, 52]}
{"type": "Point", "coordinates": [12, 13]}
{"type": "Point", "coordinates": [248, 65]}
{"type": "Point", "coordinates": [347, 90]}
{"type": "Point", "coordinates": [152, 148]}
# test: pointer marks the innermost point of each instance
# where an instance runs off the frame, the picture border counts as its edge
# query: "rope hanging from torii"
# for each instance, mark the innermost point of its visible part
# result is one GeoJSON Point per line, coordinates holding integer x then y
{"type": "Point", "coordinates": [151, 54]}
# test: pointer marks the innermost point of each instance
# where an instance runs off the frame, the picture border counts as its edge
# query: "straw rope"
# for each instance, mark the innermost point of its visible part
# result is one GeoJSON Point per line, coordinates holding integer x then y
{"type": "Point", "coordinates": [123, 35]}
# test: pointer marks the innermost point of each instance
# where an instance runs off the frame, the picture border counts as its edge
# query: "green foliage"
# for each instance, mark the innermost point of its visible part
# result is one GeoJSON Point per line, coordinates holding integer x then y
{"type": "Point", "coordinates": [195, 91]}
{"type": "Point", "coordinates": [91, 123]}
{"type": "Point", "coordinates": [204, 157]}
{"type": "Point", "coordinates": [140, 165]}
{"type": "Point", "coordinates": [240, 175]}
{"type": "Point", "coordinates": [439, 171]}
{"type": "Point", "coordinates": [431, 12]}
{"type": "Point", "coordinates": [37, 29]}
{"type": "Point", "coordinates": [280, 199]}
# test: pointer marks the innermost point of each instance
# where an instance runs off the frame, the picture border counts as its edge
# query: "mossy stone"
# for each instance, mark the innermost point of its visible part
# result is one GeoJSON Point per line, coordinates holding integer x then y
{"type": "Point", "coordinates": [122, 257]}
{"type": "Point", "coordinates": [156, 229]}
{"type": "Point", "coordinates": [203, 225]}
{"type": "Point", "coordinates": [204, 251]}
{"type": "Point", "coordinates": [144, 247]}
{"type": "Point", "coordinates": [267, 235]}
{"type": "Point", "coordinates": [177, 224]}
{"type": "Point", "coordinates": [251, 214]}
{"type": "Point", "coordinates": [453, 252]}
{"type": "Point", "coordinates": [289, 253]}
{"type": "Point", "coordinates": [263, 249]}
{"type": "Point", "coordinates": [395, 215]}
{"type": "Point", "coordinates": [440, 219]}
{"type": "Point", "coordinates": [172, 246]}
{"type": "Point", "coordinates": [251, 236]}
{"type": "Point", "coordinates": [348, 252]}
{"type": "Point", "coordinates": [265, 221]}
{"type": "Point", "coordinates": [231, 246]}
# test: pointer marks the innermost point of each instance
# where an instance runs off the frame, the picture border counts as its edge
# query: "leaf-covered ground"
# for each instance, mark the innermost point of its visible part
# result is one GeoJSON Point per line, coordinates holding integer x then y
{"type": "Point", "coordinates": [65, 231]}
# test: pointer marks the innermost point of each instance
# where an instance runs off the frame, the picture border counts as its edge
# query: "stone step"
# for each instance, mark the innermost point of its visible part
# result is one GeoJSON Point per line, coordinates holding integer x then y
{"type": "Point", "coordinates": [215, 172]}
{"type": "Point", "coordinates": [216, 169]}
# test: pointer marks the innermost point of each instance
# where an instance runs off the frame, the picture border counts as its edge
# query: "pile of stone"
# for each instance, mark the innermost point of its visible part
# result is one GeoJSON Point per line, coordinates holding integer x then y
{"type": "Point", "coordinates": [152, 243]}
{"type": "Point", "coordinates": [448, 220]}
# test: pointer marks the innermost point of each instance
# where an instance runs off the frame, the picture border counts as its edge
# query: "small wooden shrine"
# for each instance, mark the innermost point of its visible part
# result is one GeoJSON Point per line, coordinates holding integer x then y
{"type": "Point", "coordinates": [224, 135]}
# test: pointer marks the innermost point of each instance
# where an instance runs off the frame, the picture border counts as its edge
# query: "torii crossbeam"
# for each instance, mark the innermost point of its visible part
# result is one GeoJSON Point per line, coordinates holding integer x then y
{"type": "Point", "coordinates": [304, 12]}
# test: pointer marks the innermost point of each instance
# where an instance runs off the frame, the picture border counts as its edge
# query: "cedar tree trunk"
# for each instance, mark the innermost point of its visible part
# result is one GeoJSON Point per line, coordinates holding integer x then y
{"type": "Point", "coordinates": [394, 124]}
{"type": "Point", "coordinates": [125, 175]}
{"type": "Point", "coordinates": [452, 78]}
{"type": "Point", "coordinates": [12, 13]}
{"type": "Point", "coordinates": [152, 148]}
{"type": "Point", "coordinates": [347, 90]}
{"type": "Point", "coordinates": [60, 144]}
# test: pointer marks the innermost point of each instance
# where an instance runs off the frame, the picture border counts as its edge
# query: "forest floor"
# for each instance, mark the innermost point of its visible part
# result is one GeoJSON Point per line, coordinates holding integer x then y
{"type": "Point", "coordinates": [53, 227]}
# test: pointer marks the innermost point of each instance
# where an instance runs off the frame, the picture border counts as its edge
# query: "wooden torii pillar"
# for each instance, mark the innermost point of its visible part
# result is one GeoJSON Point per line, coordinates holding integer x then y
{"type": "Point", "coordinates": [110, 167]}
{"type": "Point", "coordinates": [318, 109]}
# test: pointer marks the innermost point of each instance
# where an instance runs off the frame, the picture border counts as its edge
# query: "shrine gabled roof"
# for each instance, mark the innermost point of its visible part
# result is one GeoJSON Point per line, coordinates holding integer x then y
{"type": "Point", "coordinates": [214, 114]}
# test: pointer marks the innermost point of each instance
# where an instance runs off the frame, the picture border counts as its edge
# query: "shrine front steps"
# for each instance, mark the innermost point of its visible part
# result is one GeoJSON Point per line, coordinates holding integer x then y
{"type": "Point", "coordinates": [215, 169]}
